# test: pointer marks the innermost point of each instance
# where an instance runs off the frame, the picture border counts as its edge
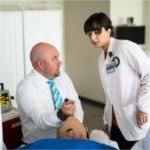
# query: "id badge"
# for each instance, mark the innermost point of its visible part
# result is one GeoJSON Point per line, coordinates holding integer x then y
{"type": "Point", "coordinates": [110, 67]}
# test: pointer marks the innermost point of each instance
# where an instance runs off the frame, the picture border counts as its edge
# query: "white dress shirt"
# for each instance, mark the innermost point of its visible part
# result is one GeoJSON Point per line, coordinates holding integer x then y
{"type": "Point", "coordinates": [36, 108]}
{"type": "Point", "coordinates": [127, 86]}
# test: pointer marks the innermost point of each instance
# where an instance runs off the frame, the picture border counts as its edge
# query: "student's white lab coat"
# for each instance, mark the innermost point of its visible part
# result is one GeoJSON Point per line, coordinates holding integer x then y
{"type": "Point", "coordinates": [126, 82]}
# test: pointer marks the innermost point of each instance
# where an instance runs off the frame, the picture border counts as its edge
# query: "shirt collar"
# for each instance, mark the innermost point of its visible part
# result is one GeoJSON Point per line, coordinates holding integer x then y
{"type": "Point", "coordinates": [110, 47]}
{"type": "Point", "coordinates": [42, 78]}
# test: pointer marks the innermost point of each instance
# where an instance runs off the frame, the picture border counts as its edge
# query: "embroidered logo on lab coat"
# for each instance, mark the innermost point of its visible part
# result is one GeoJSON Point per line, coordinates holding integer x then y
{"type": "Point", "coordinates": [111, 67]}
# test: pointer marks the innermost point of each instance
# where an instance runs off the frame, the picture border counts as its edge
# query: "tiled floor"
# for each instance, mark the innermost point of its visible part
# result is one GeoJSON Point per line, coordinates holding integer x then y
{"type": "Point", "coordinates": [93, 114]}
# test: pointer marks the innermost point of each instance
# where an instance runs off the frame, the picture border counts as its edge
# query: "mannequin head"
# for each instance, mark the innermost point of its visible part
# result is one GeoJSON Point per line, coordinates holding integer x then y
{"type": "Point", "coordinates": [72, 128]}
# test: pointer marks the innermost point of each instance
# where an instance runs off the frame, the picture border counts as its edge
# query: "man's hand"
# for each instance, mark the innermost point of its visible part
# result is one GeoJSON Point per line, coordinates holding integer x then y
{"type": "Point", "coordinates": [68, 108]}
{"type": "Point", "coordinates": [141, 117]}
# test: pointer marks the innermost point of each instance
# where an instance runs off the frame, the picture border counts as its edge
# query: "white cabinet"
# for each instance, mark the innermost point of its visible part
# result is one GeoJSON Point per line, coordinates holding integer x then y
{"type": "Point", "coordinates": [11, 58]}
{"type": "Point", "coordinates": [19, 31]}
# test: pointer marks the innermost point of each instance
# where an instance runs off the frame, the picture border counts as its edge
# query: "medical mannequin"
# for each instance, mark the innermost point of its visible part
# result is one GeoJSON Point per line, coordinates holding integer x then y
{"type": "Point", "coordinates": [72, 128]}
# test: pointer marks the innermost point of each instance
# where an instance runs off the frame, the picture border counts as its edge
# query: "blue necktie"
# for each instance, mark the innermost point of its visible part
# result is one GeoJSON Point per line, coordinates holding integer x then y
{"type": "Point", "coordinates": [55, 94]}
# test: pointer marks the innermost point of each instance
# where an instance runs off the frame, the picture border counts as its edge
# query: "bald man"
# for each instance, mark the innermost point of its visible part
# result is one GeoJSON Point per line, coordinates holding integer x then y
{"type": "Point", "coordinates": [40, 117]}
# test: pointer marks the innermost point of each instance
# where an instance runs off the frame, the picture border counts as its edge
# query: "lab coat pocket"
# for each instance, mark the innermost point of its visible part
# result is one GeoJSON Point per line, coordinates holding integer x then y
{"type": "Point", "coordinates": [131, 122]}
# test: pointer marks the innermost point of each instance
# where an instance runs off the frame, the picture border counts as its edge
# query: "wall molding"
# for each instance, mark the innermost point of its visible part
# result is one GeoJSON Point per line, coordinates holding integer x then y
{"type": "Point", "coordinates": [91, 101]}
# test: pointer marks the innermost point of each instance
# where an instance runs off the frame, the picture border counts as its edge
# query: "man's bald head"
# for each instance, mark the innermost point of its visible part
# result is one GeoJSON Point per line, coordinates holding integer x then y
{"type": "Point", "coordinates": [39, 52]}
{"type": "Point", "coordinates": [45, 60]}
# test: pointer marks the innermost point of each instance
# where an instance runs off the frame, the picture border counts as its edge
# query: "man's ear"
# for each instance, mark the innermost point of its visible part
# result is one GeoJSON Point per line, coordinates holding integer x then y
{"type": "Point", "coordinates": [41, 64]}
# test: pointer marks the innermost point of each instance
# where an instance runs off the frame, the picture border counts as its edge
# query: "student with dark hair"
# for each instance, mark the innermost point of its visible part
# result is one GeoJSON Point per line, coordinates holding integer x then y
{"type": "Point", "coordinates": [125, 75]}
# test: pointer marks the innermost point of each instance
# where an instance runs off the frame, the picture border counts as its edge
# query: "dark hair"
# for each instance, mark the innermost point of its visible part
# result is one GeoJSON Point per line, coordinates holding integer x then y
{"type": "Point", "coordinates": [96, 21]}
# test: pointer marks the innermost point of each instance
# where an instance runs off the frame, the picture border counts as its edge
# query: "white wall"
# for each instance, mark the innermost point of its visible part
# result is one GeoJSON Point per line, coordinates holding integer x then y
{"type": "Point", "coordinates": [139, 9]}
{"type": "Point", "coordinates": [11, 54]}
{"type": "Point", "coordinates": [146, 18]}
{"type": "Point", "coordinates": [120, 10]}
{"type": "Point", "coordinates": [81, 56]}
{"type": "Point", "coordinates": [48, 29]}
